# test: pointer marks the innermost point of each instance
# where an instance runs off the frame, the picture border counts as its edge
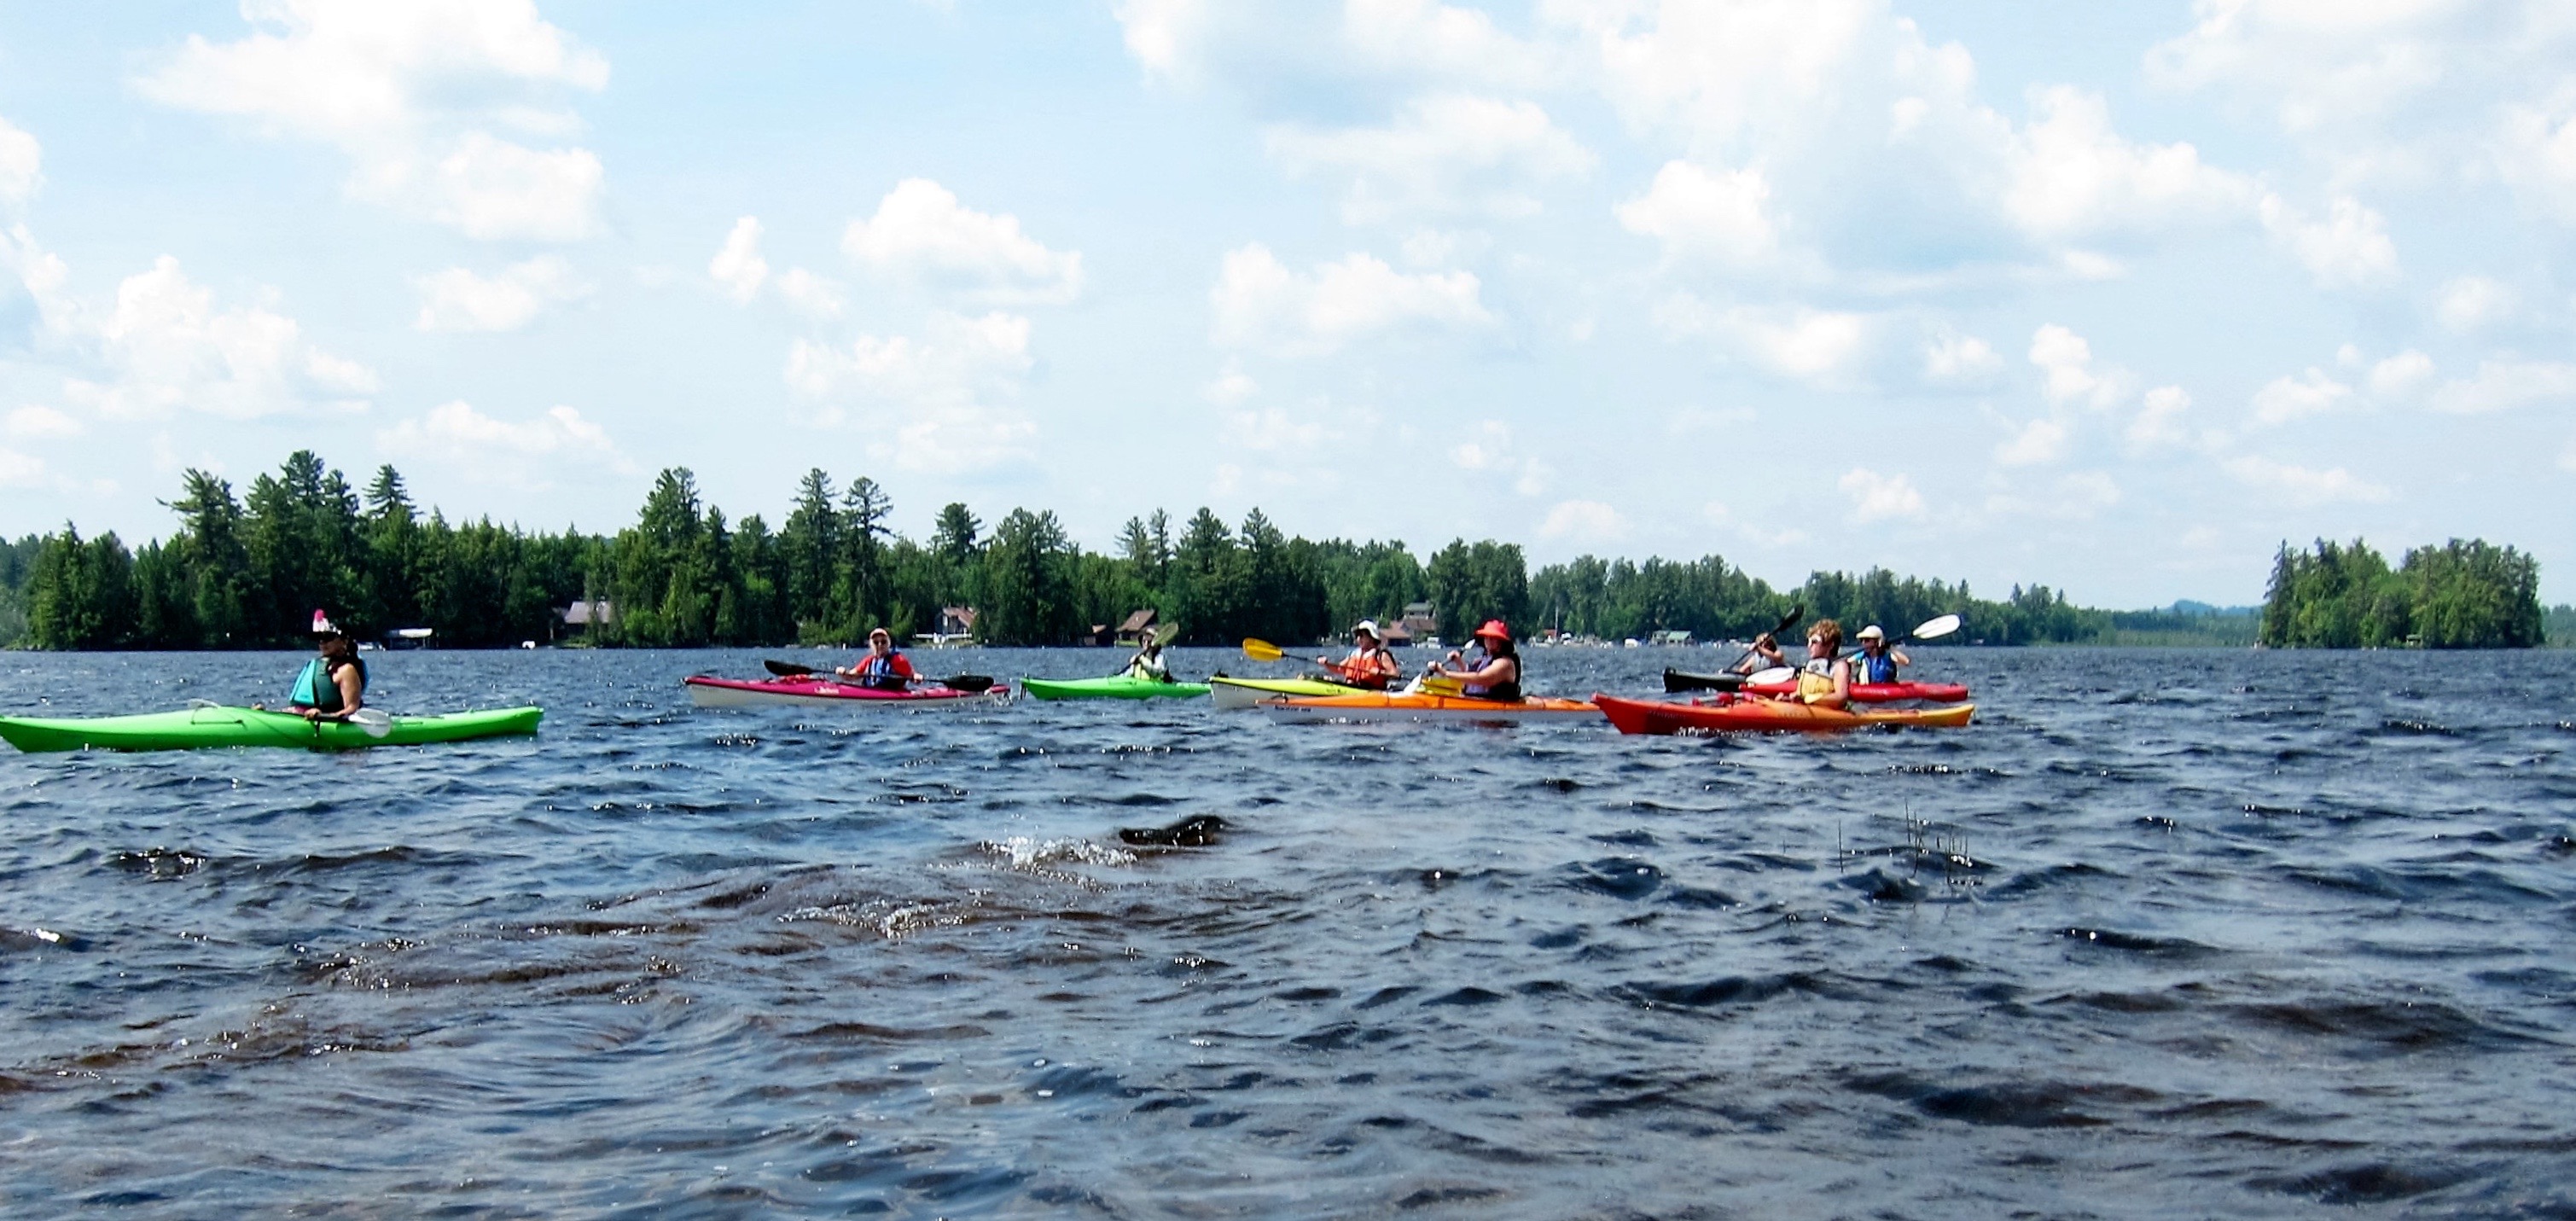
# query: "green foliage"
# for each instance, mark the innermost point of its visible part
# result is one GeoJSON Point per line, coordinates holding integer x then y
{"type": "Point", "coordinates": [247, 572]}
{"type": "Point", "coordinates": [2461, 595]}
{"type": "Point", "coordinates": [2560, 624]}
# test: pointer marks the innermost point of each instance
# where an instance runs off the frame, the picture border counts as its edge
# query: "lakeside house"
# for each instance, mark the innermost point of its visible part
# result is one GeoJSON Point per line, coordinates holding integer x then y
{"type": "Point", "coordinates": [588, 616]}
{"type": "Point", "coordinates": [956, 627]}
{"type": "Point", "coordinates": [1419, 621]}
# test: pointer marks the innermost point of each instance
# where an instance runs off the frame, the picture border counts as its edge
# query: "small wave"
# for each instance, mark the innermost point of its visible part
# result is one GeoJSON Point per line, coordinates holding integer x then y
{"type": "Point", "coordinates": [2395, 1026]}
{"type": "Point", "coordinates": [2179, 948]}
{"type": "Point", "coordinates": [2364, 1182]}
{"type": "Point", "coordinates": [1026, 852]}
{"type": "Point", "coordinates": [2009, 1104]}
{"type": "Point", "coordinates": [1617, 877]}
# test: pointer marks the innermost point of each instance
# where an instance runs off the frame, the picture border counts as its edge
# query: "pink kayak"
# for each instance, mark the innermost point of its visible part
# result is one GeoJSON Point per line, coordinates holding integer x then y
{"type": "Point", "coordinates": [1876, 693]}
{"type": "Point", "coordinates": [708, 691]}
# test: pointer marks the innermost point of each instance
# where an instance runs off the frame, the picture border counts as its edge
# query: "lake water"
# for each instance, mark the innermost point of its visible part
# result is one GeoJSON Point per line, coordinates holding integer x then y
{"type": "Point", "coordinates": [2165, 933]}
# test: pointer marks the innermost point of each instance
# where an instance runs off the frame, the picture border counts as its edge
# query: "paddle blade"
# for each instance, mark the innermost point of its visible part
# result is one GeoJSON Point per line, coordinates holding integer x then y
{"type": "Point", "coordinates": [1765, 678]}
{"type": "Point", "coordinates": [1262, 650]}
{"type": "Point", "coordinates": [968, 682]}
{"type": "Point", "coordinates": [1934, 628]}
{"type": "Point", "coordinates": [1676, 680]}
{"type": "Point", "coordinates": [1791, 619]}
{"type": "Point", "coordinates": [375, 721]}
{"type": "Point", "coordinates": [786, 669]}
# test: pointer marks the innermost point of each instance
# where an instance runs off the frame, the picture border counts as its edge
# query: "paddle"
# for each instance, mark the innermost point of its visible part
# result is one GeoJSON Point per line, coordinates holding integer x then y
{"type": "Point", "coordinates": [1262, 650]}
{"type": "Point", "coordinates": [376, 722]}
{"type": "Point", "coordinates": [1930, 629]}
{"type": "Point", "coordinates": [955, 682]}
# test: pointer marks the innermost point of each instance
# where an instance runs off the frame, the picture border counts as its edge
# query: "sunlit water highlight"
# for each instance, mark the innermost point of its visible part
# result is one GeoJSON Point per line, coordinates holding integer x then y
{"type": "Point", "coordinates": [2163, 934]}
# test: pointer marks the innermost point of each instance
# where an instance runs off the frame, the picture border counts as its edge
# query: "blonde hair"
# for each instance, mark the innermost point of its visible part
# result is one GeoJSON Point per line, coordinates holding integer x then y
{"type": "Point", "coordinates": [1833, 634]}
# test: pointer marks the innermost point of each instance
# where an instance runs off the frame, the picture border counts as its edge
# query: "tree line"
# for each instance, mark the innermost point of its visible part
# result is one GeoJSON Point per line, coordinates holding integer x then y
{"type": "Point", "coordinates": [246, 571]}
{"type": "Point", "coordinates": [2460, 595]}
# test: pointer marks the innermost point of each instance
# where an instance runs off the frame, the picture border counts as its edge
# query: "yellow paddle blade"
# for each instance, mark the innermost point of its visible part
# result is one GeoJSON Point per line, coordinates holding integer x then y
{"type": "Point", "coordinates": [1261, 650]}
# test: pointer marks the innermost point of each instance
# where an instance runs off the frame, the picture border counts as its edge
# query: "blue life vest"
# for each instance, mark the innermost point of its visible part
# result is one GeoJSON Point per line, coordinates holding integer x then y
{"type": "Point", "coordinates": [1873, 668]}
{"type": "Point", "coordinates": [315, 689]}
{"type": "Point", "coordinates": [878, 673]}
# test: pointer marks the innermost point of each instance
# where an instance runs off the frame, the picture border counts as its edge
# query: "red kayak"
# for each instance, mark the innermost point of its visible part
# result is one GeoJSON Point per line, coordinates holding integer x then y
{"type": "Point", "coordinates": [708, 691]}
{"type": "Point", "coordinates": [1876, 693]}
{"type": "Point", "coordinates": [1731, 713]}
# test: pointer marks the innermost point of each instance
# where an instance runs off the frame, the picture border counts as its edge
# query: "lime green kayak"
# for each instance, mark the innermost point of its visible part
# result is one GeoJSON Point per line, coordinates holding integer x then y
{"type": "Point", "coordinates": [196, 728]}
{"type": "Point", "coordinates": [1115, 687]}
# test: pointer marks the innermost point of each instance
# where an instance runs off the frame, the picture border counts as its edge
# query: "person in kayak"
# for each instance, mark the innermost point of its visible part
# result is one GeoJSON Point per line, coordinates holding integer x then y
{"type": "Point", "coordinates": [883, 669]}
{"type": "Point", "coordinates": [333, 684]}
{"type": "Point", "coordinates": [1499, 678]}
{"type": "Point", "coordinates": [1764, 655]}
{"type": "Point", "coordinates": [1877, 660]}
{"type": "Point", "coordinates": [1148, 662]}
{"type": "Point", "coordinates": [1370, 665]}
{"type": "Point", "coordinates": [1827, 677]}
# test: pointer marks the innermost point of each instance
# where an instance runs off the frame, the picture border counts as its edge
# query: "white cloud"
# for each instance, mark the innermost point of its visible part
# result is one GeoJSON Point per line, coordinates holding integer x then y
{"type": "Point", "coordinates": [2074, 177]}
{"type": "Point", "coordinates": [21, 165]}
{"type": "Point", "coordinates": [2536, 154]}
{"type": "Point", "coordinates": [2347, 249]}
{"type": "Point", "coordinates": [2301, 485]}
{"type": "Point", "coordinates": [1953, 359]}
{"type": "Point", "coordinates": [2284, 399]}
{"type": "Point", "coordinates": [2316, 63]}
{"type": "Point", "coordinates": [738, 265]}
{"type": "Point", "coordinates": [934, 393]}
{"type": "Point", "coordinates": [1423, 37]}
{"type": "Point", "coordinates": [1584, 521]}
{"type": "Point", "coordinates": [1693, 421]}
{"type": "Point", "coordinates": [921, 233]}
{"type": "Point", "coordinates": [2159, 420]}
{"type": "Point", "coordinates": [1443, 153]}
{"type": "Point", "coordinates": [2400, 377]}
{"type": "Point", "coordinates": [37, 422]}
{"type": "Point", "coordinates": [497, 450]}
{"type": "Point", "coordinates": [2066, 360]}
{"type": "Point", "coordinates": [2471, 302]}
{"type": "Point", "coordinates": [19, 470]}
{"type": "Point", "coordinates": [1719, 216]}
{"type": "Point", "coordinates": [810, 294]}
{"type": "Point", "coordinates": [410, 93]}
{"type": "Point", "coordinates": [2567, 456]}
{"type": "Point", "coordinates": [2038, 443]}
{"type": "Point", "coordinates": [2502, 385]}
{"type": "Point", "coordinates": [1162, 34]}
{"type": "Point", "coordinates": [459, 300]}
{"type": "Point", "coordinates": [1258, 301]}
{"type": "Point", "coordinates": [1823, 348]}
{"type": "Point", "coordinates": [1877, 497]}
{"type": "Point", "coordinates": [1490, 448]}
{"type": "Point", "coordinates": [1230, 387]}
{"type": "Point", "coordinates": [166, 347]}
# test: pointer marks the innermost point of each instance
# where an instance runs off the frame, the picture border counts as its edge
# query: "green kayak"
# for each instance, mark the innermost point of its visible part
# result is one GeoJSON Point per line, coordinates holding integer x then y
{"type": "Point", "coordinates": [1115, 687]}
{"type": "Point", "coordinates": [195, 728]}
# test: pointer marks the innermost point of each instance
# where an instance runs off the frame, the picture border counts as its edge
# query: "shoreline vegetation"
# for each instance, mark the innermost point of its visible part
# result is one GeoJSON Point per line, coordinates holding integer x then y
{"type": "Point", "coordinates": [246, 572]}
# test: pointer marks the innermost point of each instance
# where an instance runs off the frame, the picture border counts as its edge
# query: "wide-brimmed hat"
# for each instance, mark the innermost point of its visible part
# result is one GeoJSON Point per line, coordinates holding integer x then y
{"type": "Point", "coordinates": [1871, 633]}
{"type": "Point", "coordinates": [1366, 625]}
{"type": "Point", "coordinates": [1495, 629]}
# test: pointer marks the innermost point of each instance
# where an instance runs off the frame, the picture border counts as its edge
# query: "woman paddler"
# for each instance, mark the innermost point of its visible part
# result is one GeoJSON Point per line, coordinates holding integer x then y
{"type": "Point", "coordinates": [1826, 679]}
{"type": "Point", "coordinates": [883, 669]}
{"type": "Point", "coordinates": [1498, 677]}
{"type": "Point", "coordinates": [1370, 665]}
{"type": "Point", "coordinates": [333, 684]}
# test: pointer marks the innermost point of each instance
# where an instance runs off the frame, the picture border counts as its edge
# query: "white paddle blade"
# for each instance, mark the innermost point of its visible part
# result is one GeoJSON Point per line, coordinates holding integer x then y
{"type": "Point", "coordinates": [1942, 626]}
{"type": "Point", "coordinates": [1776, 674]}
{"type": "Point", "coordinates": [375, 721]}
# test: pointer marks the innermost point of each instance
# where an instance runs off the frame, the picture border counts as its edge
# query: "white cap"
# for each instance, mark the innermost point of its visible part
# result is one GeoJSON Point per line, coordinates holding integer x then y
{"type": "Point", "coordinates": [1871, 633]}
{"type": "Point", "coordinates": [1365, 625]}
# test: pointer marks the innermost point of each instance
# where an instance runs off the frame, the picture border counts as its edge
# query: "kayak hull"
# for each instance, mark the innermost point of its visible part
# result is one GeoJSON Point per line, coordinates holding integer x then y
{"type": "Point", "coordinates": [205, 728]}
{"type": "Point", "coordinates": [1725, 714]}
{"type": "Point", "coordinates": [1236, 693]}
{"type": "Point", "coordinates": [1419, 706]}
{"type": "Point", "coordinates": [1115, 687]}
{"type": "Point", "coordinates": [707, 691]}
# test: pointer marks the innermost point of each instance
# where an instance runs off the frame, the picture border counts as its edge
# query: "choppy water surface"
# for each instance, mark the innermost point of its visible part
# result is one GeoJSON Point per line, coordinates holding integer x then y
{"type": "Point", "coordinates": [2165, 933]}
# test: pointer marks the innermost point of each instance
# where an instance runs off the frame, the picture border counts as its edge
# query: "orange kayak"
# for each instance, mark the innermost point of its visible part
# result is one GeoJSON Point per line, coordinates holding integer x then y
{"type": "Point", "coordinates": [1423, 706]}
{"type": "Point", "coordinates": [1728, 713]}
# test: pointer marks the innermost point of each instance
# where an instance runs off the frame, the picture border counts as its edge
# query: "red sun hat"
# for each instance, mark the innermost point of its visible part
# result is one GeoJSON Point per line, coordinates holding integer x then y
{"type": "Point", "coordinates": [1495, 628]}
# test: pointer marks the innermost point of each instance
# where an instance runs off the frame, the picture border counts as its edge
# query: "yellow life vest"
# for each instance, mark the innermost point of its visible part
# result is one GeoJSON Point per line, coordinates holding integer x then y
{"type": "Point", "coordinates": [1813, 686]}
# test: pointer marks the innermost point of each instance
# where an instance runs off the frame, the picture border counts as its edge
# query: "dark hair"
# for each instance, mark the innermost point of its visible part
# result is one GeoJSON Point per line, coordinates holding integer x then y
{"type": "Point", "coordinates": [1500, 646]}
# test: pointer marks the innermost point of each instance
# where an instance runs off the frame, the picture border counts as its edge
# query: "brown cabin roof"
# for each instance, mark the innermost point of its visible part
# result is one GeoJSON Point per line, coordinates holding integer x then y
{"type": "Point", "coordinates": [1139, 621]}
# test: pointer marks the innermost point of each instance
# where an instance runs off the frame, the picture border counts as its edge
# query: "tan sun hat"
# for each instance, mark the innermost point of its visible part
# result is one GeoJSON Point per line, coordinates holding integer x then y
{"type": "Point", "coordinates": [1366, 625]}
{"type": "Point", "coordinates": [1871, 633]}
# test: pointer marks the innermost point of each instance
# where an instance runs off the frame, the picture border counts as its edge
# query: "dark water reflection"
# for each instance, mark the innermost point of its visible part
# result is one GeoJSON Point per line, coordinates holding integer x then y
{"type": "Point", "coordinates": [2166, 933]}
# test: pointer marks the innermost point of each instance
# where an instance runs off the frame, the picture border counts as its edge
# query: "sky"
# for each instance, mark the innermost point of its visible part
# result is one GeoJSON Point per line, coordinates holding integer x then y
{"type": "Point", "coordinates": [2115, 298]}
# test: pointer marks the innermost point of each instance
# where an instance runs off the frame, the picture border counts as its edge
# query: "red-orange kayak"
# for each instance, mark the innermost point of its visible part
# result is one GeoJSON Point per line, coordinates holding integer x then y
{"type": "Point", "coordinates": [1728, 713]}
